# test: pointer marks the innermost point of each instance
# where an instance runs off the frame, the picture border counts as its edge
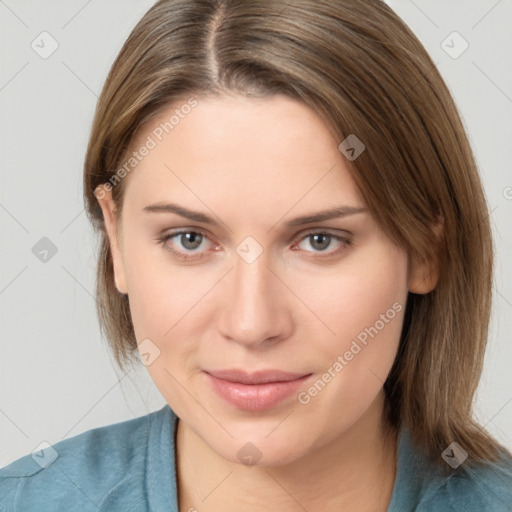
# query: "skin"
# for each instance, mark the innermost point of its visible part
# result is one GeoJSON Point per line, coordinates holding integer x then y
{"type": "Point", "coordinates": [253, 165]}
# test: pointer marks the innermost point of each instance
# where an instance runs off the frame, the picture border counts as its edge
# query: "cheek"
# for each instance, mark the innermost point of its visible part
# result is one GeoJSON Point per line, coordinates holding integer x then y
{"type": "Point", "coordinates": [365, 309]}
{"type": "Point", "coordinates": [162, 300]}
{"type": "Point", "coordinates": [362, 309]}
{"type": "Point", "coordinates": [167, 301]}
{"type": "Point", "coordinates": [157, 292]}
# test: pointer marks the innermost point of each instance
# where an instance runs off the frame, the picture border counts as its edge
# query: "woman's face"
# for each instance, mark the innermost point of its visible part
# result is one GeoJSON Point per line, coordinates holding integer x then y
{"type": "Point", "coordinates": [246, 285]}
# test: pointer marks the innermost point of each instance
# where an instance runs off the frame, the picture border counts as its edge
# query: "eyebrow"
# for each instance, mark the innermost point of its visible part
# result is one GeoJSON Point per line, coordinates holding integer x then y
{"type": "Point", "coordinates": [331, 213]}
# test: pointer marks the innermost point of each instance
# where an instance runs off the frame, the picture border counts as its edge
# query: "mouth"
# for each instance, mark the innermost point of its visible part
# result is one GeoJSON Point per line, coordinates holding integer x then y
{"type": "Point", "coordinates": [260, 390]}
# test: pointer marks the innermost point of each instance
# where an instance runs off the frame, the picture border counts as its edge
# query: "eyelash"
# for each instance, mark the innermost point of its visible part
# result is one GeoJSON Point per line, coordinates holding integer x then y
{"type": "Point", "coordinates": [345, 242]}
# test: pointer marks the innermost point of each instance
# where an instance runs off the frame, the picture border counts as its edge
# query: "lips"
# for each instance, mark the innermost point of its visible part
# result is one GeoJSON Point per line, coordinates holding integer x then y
{"type": "Point", "coordinates": [255, 391]}
{"type": "Point", "coordinates": [258, 377]}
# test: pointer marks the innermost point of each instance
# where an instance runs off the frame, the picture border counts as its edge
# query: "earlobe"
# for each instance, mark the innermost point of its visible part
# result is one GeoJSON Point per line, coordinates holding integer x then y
{"type": "Point", "coordinates": [423, 277]}
{"type": "Point", "coordinates": [108, 209]}
{"type": "Point", "coordinates": [423, 273]}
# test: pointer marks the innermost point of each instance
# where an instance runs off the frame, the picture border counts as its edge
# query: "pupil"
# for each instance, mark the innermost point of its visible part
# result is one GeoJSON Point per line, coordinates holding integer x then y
{"type": "Point", "coordinates": [325, 237]}
{"type": "Point", "coordinates": [191, 237]}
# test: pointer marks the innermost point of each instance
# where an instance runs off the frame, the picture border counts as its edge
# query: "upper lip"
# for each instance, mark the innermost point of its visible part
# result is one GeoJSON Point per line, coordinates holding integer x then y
{"type": "Point", "coordinates": [257, 377]}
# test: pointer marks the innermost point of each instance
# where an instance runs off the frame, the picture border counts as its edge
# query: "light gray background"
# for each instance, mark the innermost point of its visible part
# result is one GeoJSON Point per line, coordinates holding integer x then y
{"type": "Point", "coordinates": [56, 377]}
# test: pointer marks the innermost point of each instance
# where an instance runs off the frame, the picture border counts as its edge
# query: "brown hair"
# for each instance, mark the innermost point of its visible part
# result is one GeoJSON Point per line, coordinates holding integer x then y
{"type": "Point", "coordinates": [362, 69]}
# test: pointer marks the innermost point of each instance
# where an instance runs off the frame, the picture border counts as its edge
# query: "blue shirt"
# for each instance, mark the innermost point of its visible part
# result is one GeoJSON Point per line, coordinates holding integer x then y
{"type": "Point", "coordinates": [131, 466]}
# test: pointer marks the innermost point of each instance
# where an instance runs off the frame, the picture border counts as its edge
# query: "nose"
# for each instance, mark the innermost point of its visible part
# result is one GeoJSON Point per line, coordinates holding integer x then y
{"type": "Point", "coordinates": [254, 307]}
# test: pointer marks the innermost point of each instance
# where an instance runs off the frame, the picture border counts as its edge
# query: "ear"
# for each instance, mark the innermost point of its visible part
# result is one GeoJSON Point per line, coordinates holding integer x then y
{"type": "Point", "coordinates": [423, 273]}
{"type": "Point", "coordinates": [423, 277]}
{"type": "Point", "coordinates": [108, 207]}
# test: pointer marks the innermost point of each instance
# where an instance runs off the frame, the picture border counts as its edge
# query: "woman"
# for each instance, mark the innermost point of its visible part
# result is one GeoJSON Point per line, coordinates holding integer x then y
{"type": "Point", "coordinates": [295, 242]}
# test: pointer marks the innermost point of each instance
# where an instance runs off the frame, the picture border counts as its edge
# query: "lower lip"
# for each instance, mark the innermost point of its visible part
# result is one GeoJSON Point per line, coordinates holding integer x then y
{"type": "Point", "coordinates": [255, 397]}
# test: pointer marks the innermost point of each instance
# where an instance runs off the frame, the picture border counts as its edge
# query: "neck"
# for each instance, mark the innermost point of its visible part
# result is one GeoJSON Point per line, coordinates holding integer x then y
{"type": "Point", "coordinates": [354, 472]}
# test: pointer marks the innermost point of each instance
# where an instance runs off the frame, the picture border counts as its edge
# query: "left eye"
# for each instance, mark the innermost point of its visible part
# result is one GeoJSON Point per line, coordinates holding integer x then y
{"type": "Point", "coordinates": [320, 240]}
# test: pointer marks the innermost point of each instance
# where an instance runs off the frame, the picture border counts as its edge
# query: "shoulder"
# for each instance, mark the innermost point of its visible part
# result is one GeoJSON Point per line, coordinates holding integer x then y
{"type": "Point", "coordinates": [425, 484]}
{"type": "Point", "coordinates": [475, 488]}
{"type": "Point", "coordinates": [79, 472]}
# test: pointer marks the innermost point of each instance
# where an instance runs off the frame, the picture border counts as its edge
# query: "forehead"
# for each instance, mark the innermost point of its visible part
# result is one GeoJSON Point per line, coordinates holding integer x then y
{"type": "Point", "coordinates": [262, 154]}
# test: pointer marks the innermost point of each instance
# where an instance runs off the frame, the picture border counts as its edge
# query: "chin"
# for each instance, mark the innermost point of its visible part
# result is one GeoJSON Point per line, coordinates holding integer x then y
{"type": "Point", "coordinates": [258, 450]}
